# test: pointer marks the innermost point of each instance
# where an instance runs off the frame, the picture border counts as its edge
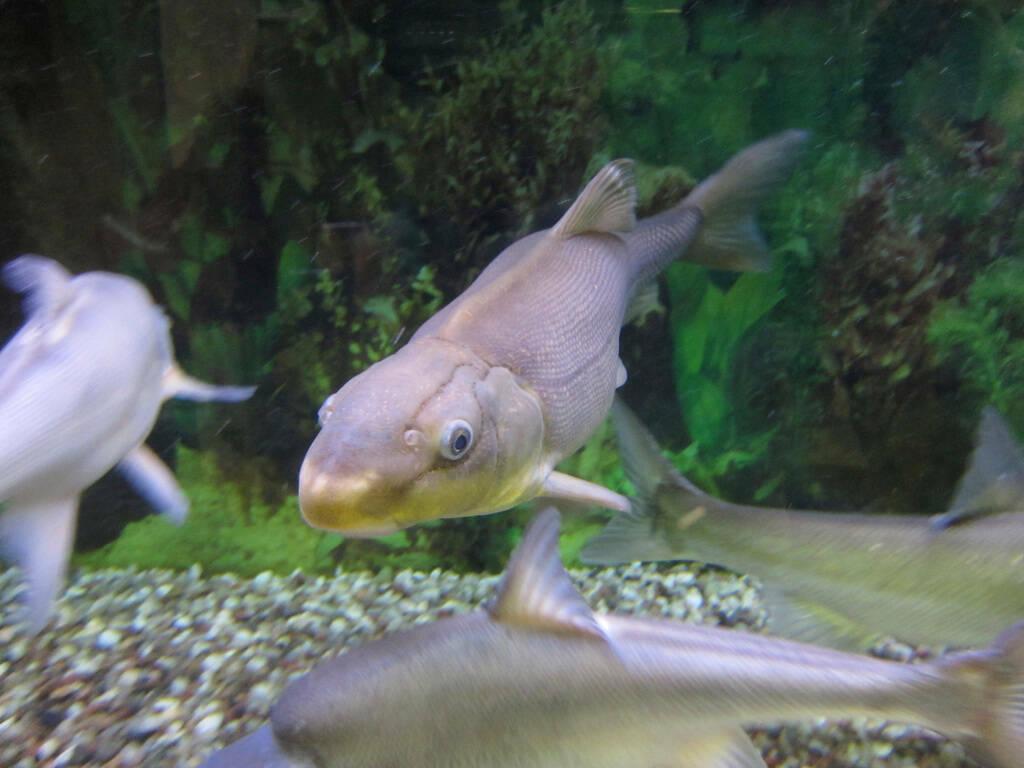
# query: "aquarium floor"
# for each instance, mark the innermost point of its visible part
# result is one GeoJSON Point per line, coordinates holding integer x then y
{"type": "Point", "coordinates": [156, 668]}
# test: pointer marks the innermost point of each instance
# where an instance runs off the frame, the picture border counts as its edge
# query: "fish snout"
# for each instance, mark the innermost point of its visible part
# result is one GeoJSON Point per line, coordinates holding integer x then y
{"type": "Point", "coordinates": [354, 500]}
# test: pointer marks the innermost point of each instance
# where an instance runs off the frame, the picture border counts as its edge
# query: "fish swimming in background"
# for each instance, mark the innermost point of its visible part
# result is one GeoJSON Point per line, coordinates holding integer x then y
{"type": "Point", "coordinates": [841, 579]}
{"type": "Point", "coordinates": [540, 681]}
{"type": "Point", "coordinates": [472, 415]}
{"type": "Point", "coordinates": [80, 386]}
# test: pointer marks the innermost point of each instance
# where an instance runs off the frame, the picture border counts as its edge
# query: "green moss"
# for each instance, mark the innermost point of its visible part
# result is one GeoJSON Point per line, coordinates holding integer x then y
{"type": "Point", "coordinates": [229, 529]}
{"type": "Point", "coordinates": [509, 130]}
{"type": "Point", "coordinates": [691, 88]}
{"type": "Point", "coordinates": [981, 338]}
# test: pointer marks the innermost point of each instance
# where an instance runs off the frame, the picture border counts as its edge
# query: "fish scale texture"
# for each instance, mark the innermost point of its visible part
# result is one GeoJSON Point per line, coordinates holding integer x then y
{"type": "Point", "coordinates": [551, 312]}
{"type": "Point", "coordinates": [554, 320]}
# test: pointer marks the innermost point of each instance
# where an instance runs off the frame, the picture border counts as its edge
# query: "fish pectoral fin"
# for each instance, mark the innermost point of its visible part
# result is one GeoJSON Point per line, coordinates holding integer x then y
{"type": "Point", "coordinates": [994, 480]}
{"type": "Point", "coordinates": [558, 485]}
{"type": "Point", "coordinates": [645, 302]}
{"type": "Point", "coordinates": [536, 590]}
{"type": "Point", "coordinates": [606, 204]}
{"type": "Point", "coordinates": [155, 483]}
{"type": "Point", "coordinates": [179, 384]}
{"type": "Point", "coordinates": [257, 750]}
{"type": "Point", "coordinates": [37, 536]}
{"type": "Point", "coordinates": [729, 748]}
{"type": "Point", "coordinates": [810, 622]}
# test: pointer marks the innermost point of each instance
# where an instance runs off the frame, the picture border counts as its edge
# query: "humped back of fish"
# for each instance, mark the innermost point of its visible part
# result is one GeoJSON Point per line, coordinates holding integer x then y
{"type": "Point", "coordinates": [574, 291]}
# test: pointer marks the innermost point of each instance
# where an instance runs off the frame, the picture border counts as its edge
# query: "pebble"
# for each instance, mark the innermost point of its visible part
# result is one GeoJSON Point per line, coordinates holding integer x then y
{"type": "Point", "coordinates": [107, 639]}
{"type": "Point", "coordinates": [154, 668]}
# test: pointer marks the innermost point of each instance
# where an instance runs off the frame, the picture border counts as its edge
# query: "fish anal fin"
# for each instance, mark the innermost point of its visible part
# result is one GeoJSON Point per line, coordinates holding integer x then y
{"type": "Point", "coordinates": [536, 590]}
{"type": "Point", "coordinates": [558, 485]}
{"type": "Point", "coordinates": [606, 204]}
{"type": "Point", "coordinates": [37, 536]}
{"type": "Point", "coordinates": [811, 622]}
{"type": "Point", "coordinates": [155, 483]}
{"type": "Point", "coordinates": [729, 748]}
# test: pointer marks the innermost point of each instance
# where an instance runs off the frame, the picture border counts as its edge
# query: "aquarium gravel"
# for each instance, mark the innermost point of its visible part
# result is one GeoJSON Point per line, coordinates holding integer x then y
{"type": "Point", "coordinates": [158, 668]}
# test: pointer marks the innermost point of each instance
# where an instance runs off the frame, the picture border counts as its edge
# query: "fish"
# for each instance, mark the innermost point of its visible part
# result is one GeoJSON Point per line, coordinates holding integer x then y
{"type": "Point", "coordinates": [840, 579]}
{"type": "Point", "coordinates": [539, 680]}
{"type": "Point", "coordinates": [81, 383]}
{"type": "Point", "coordinates": [472, 415]}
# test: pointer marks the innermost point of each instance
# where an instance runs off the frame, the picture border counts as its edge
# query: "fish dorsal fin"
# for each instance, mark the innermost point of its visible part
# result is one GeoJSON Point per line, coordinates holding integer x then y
{"type": "Point", "coordinates": [45, 283]}
{"type": "Point", "coordinates": [642, 460]}
{"type": "Point", "coordinates": [536, 590]}
{"type": "Point", "coordinates": [606, 204]}
{"type": "Point", "coordinates": [994, 480]}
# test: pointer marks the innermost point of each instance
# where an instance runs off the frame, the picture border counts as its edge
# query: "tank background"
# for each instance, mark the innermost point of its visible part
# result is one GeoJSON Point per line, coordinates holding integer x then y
{"type": "Point", "coordinates": [302, 183]}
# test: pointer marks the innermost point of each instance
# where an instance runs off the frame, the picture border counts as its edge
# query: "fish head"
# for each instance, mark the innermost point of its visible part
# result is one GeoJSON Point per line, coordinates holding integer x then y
{"type": "Point", "coordinates": [432, 431]}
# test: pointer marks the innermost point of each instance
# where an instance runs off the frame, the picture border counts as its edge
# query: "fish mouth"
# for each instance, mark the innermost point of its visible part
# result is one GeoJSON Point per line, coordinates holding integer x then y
{"type": "Point", "coordinates": [353, 505]}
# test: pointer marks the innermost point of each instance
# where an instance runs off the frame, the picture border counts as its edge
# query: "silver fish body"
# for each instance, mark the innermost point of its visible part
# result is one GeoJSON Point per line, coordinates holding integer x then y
{"type": "Point", "coordinates": [839, 578]}
{"type": "Point", "coordinates": [540, 681]}
{"type": "Point", "coordinates": [93, 371]}
{"type": "Point", "coordinates": [81, 384]}
{"type": "Point", "coordinates": [473, 414]}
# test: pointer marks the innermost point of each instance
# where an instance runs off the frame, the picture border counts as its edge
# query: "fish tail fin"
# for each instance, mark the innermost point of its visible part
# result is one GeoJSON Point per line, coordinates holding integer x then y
{"type": "Point", "coordinates": [729, 200]}
{"type": "Point", "coordinates": [995, 677]}
{"type": "Point", "coordinates": [636, 535]}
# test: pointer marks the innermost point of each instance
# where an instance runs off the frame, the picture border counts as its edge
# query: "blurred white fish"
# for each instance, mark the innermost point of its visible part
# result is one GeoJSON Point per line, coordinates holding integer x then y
{"type": "Point", "coordinates": [80, 386]}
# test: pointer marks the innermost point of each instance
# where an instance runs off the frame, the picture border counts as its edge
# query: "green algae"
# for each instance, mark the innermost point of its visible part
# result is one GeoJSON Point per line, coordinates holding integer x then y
{"type": "Point", "coordinates": [229, 528]}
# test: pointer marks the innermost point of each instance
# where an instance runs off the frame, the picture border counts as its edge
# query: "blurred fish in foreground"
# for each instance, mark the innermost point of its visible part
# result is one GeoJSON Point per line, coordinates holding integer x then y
{"type": "Point", "coordinates": [839, 578]}
{"type": "Point", "coordinates": [472, 415]}
{"type": "Point", "coordinates": [80, 386]}
{"type": "Point", "coordinates": [540, 681]}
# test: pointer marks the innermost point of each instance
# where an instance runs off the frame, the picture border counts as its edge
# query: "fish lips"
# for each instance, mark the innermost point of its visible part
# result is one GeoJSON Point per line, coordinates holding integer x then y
{"type": "Point", "coordinates": [372, 466]}
{"type": "Point", "coordinates": [352, 487]}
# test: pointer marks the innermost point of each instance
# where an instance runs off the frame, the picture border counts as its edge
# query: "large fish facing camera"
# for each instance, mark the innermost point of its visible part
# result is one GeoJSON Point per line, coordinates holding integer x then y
{"type": "Point", "coordinates": [80, 386]}
{"type": "Point", "coordinates": [472, 415]}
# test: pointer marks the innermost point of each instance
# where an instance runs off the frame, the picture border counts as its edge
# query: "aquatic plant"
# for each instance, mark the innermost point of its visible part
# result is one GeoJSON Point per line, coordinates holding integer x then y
{"type": "Point", "coordinates": [980, 337]}
{"type": "Point", "coordinates": [481, 173]}
{"type": "Point", "coordinates": [230, 528]}
{"type": "Point", "coordinates": [691, 87]}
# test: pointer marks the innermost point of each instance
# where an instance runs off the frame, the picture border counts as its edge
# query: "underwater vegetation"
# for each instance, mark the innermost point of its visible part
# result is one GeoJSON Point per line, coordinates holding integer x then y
{"type": "Point", "coordinates": [331, 181]}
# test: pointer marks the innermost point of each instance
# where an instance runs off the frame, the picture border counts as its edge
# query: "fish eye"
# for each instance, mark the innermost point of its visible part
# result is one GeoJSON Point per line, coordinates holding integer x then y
{"type": "Point", "coordinates": [457, 439]}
